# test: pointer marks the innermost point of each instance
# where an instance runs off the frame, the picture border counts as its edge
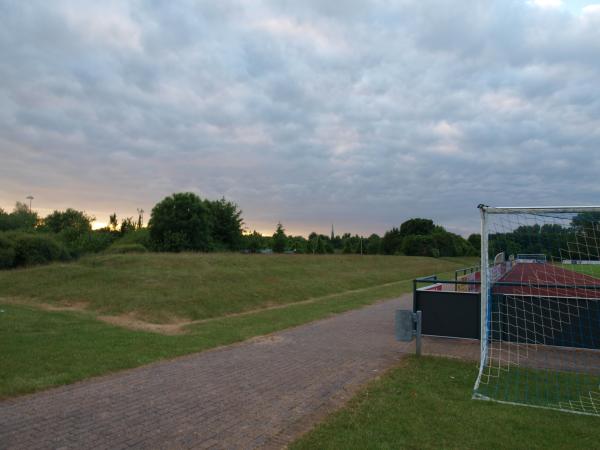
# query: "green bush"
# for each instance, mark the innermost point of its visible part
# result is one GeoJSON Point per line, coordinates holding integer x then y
{"type": "Point", "coordinates": [127, 248]}
{"type": "Point", "coordinates": [38, 248]}
{"type": "Point", "coordinates": [90, 242]}
{"type": "Point", "coordinates": [140, 236]}
{"type": "Point", "coordinates": [7, 253]}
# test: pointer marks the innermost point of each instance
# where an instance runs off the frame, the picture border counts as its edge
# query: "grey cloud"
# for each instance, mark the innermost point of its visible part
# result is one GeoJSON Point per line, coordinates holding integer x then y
{"type": "Point", "coordinates": [361, 113]}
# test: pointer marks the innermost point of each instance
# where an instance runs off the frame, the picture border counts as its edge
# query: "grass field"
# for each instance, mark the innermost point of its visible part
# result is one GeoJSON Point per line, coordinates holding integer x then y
{"type": "Point", "coordinates": [41, 348]}
{"type": "Point", "coordinates": [426, 403]}
{"type": "Point", "coordinates": [593, 270]}
{"type": "Point", "coordinates": [169, 287]}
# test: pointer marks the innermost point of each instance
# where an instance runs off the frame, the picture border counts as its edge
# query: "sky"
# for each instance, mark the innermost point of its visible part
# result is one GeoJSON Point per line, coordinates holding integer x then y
{"type": "Point", "coordinates": [360, 114]}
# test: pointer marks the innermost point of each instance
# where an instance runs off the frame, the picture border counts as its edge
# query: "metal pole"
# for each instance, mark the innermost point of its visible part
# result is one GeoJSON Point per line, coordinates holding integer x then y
{"type": "Point", "coordinates": [484, 278]}
{"type": "Point", "coordinates": [419, 316]}
{"type": "Point", "coordinates": [414, 295]}
{"type": "Point", "coordinates": [484, 283]}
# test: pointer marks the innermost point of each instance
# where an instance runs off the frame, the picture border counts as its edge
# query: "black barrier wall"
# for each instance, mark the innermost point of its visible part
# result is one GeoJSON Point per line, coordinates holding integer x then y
{"type": "Point", "coordinates": [567, 322]}
{"type": "Point", "coordinates": [558, 321]}
{"type": "Point", "coordinates": [451, 314]}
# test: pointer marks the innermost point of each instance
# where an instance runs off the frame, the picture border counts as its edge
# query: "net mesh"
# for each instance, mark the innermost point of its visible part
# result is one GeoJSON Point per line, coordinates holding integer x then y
{"type": "Point", "coordinates": [542, 326]}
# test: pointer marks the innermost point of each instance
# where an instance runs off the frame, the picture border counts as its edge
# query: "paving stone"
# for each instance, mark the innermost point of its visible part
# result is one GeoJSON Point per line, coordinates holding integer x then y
{"type": "Point", "coordinates": [259, 393]}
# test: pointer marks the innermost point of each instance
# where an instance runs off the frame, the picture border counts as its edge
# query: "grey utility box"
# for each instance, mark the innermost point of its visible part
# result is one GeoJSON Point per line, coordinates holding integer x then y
{"type": "Point", "coordinates": [408, 325]}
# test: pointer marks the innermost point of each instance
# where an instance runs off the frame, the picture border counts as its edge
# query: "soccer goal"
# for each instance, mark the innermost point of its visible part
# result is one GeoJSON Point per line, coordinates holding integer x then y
{"type": "Point", "coordinates": [540, 316]}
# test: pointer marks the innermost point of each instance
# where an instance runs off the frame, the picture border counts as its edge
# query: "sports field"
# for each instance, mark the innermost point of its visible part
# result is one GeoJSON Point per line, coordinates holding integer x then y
{"type": "Point", "coordinates": [65, 322]}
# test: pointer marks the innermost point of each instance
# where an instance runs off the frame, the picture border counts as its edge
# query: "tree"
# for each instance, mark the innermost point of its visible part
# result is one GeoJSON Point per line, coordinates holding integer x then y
{"type": "Point", "coordinates": [347, 249]}
{"type": "Point", "coordinates": [320, 247]}
{"type": "Point", "coordinates": [226, 223]}
{"type": "Point", "coordinates": [337, 242]}
{"type": "Point", "coordinates": [279, 239]}
{"type": "Point", "coordinates": [113, 223]}
{"type": "Point", "coordinates": [127, 225]}
{"type": "Point", "coordinates": [70, 221]}
{"type": "Point", "coordinates": [4, 220]}
{"type": "Point", "coordinates": [180, 222]}
{"type": "Point", "coordinates": [392, 242]}
{"type": "Point", "coordinates": [373, 244]}
{"type": "Point", "coordinates": [475, 241]}
{"type": "Point", "coordinates": [586, 220]}
{"type": "Point", "coordinates": [298, 244]}
{"type": "Point", "coordinates": [311, 246]}
{"type": "Point", "coordinates": [140, 219]}
{"type": "Point", "coordinates": [417, 226]}
{"type": "Point", "coordinates": [254, 242]}
{"type": "Point", "coordinates": [418, 245]}
{"type": "Point", "coordinates": [21, 218]}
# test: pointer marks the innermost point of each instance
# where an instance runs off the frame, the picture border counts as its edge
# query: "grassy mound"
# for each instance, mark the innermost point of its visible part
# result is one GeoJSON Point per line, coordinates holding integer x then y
{"type": "Point", "coordinates": [160, 287]}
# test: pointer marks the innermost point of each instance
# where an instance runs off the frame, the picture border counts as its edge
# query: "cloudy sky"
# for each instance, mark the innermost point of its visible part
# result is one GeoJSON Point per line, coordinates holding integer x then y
{"type": "Point", "coordinates": [357, 113]}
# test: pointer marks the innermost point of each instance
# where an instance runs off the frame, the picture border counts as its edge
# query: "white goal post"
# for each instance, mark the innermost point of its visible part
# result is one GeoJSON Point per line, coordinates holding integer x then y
{"type": "Point", "coordinates": [540, 323]}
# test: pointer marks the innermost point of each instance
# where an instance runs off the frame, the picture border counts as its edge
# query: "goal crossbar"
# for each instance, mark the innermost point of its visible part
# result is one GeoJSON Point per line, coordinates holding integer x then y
{"type": "Point", "coordinates": [537, 209]}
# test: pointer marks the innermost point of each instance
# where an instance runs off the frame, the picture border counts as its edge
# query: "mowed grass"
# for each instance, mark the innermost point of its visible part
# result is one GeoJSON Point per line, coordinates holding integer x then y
{"type": "Point", "coordinates": [545, 388]}
{"type": "Point", "coordinates": [166, 287]}
{"type": "Point", "coordinates": [40, 349]}
{"type": "Point", "coordinates": [593, 270]}
{"type": "Point", "coordinates": [425, 403]}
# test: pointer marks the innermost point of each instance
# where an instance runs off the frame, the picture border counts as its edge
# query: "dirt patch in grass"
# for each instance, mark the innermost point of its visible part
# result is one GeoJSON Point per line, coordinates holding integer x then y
{"type": "Point", "coordinates": [268, 339]}
{"type": "Point", "coordinates": [175, 325]}
{"type": "Point", "coordinates": [67, 306]}
{"type": "Point", "coordinates": [131, 322]}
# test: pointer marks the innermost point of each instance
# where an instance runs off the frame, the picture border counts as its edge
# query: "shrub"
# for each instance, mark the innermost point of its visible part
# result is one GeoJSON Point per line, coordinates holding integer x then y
{"type": "Point", "coordinates": [140, 236]}
{"type": "Point", "coordinates": [127, 248]}
{"type": "Point", "coordinates": [91, 242]}
{"type": "Point", "coordinates": [31, 249]}
{"type": "Point", "coordinates": [7, 253]}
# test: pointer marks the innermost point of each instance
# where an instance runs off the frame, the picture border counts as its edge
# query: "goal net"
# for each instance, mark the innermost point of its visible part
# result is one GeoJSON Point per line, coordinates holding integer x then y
{"type": "Point", "coordinates": [540, 310]}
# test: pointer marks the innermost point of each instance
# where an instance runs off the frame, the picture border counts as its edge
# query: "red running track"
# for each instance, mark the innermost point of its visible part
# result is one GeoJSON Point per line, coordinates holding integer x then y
{"type": "Point", "coordinates": [547, 274]}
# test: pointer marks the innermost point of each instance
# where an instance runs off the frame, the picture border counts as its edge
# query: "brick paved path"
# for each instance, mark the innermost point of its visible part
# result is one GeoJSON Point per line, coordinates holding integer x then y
{"type": "Point", "coordinates": [260, 393]}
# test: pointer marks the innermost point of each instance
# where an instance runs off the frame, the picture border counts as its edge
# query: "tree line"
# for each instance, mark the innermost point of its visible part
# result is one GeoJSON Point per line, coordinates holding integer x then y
{"type": "Point", "coordinates": [415, 237]}
{"type": "Point", "coordinates": [577, 239]}
{"type": "Point", "coordinates": [186, 222]}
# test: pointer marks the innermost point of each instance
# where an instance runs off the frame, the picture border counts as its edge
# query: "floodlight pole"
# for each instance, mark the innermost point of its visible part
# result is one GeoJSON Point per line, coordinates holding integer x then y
{"type": "Point", "coordinates": [30, 198]}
